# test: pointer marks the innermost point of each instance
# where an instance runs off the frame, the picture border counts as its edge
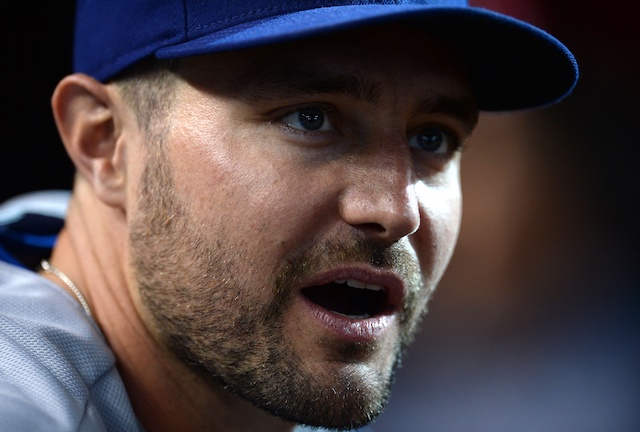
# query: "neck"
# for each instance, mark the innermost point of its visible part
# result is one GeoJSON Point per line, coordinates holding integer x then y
{"type": "Point", "coordinates": [166, 394]}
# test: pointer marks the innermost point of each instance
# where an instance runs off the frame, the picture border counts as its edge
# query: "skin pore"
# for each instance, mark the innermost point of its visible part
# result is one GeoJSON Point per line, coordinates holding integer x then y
{"type": "Point", "coordinates": [272, 170]}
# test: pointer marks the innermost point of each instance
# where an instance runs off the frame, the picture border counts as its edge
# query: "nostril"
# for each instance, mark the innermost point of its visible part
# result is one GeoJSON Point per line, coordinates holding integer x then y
{"type": "Point", "coordinates": [389, 225]}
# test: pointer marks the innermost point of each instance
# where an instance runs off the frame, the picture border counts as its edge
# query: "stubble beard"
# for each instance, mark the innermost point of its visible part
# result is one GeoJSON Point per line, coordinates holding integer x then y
{"type": "Point", "coordinates": [199, 294]}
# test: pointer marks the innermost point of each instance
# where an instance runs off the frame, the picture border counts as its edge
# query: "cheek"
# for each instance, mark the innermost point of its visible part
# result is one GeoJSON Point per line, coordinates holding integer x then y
{"type": "Point", "coordinates": [226, 181]}
{"type": "Point", "coordinates": [440, 211]}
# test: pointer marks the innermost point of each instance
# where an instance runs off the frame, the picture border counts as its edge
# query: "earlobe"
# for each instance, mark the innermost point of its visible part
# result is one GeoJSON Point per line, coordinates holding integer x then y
{"type": "Point", "coordinates": [87, 122]}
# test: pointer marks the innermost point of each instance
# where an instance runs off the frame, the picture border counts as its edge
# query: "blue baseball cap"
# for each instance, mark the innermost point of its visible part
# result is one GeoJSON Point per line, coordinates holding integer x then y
{"type": "Point", "coordinates": [512, 64]}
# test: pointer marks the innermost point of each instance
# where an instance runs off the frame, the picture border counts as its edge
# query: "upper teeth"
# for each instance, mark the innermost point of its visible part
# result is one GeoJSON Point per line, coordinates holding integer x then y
{"type": "Point", "coordinates": [354, 283]}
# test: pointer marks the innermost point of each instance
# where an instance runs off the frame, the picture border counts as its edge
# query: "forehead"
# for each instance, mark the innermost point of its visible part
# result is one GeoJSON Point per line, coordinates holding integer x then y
{"type": "Point", "coordinates": [359, 61]}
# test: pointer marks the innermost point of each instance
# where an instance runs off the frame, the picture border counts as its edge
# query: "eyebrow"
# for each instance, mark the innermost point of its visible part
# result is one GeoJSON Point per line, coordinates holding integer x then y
{"type": "Point", "coordinates": [461, 108]}
{"type": "Point", "coordinates": [275, 84]}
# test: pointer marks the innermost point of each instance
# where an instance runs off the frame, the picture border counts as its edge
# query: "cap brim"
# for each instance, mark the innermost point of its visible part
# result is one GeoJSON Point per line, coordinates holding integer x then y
{"type": "Point", "coordinates": [513, 65]}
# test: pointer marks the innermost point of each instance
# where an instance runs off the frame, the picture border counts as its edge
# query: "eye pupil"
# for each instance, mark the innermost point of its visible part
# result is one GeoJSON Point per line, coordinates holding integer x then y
{"type": "Point", "coordinates": [430, 139]}
{"type": "Point", "coordinates": [311, 119]}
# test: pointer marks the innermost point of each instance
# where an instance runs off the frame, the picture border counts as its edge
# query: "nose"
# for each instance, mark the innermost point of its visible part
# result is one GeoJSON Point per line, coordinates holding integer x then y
{"type": "Point", "coordinates": [381, 198]}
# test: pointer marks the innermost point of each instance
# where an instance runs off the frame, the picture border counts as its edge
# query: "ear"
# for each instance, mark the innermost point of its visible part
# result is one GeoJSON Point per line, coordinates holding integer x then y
{"type": "Point", "coordinates": [85, 113]}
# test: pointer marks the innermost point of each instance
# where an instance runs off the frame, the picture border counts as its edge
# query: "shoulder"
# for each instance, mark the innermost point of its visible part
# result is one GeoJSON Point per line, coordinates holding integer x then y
{"type": "Point", "coordinates": [27, 296]}
{"type": "Point", "coordinates": [56, 369]}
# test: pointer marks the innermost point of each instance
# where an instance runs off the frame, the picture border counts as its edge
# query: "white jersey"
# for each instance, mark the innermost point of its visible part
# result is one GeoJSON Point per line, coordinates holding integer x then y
{"type": "Point", "coordinates": [57, 372]}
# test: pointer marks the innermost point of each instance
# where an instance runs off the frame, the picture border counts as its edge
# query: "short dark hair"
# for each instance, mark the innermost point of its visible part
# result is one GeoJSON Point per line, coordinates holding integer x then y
{"type": "Point", "coordinates": [148, 88]}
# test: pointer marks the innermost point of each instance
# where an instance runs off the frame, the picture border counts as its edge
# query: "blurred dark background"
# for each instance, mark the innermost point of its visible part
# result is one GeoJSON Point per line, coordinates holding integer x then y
{"type": "Point", "coordinates": [36, 42]}
{"type": "Point", "coordinates": [535, 327]}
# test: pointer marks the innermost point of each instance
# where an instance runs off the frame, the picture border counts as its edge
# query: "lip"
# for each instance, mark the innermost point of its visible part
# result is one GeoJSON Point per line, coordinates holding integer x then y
{"type": "Point", "coordinates": [357, 330]}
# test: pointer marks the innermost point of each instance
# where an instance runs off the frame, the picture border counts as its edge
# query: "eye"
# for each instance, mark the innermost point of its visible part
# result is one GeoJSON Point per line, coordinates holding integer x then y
{"type": "Point", "coordinates": [434, 140]}
{"type": "Point", "coordinates": [308, 120]}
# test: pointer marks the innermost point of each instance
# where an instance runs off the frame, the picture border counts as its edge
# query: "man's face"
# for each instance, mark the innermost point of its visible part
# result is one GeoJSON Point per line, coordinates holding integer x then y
{"type": "Point", "coordinates": [298, 213]}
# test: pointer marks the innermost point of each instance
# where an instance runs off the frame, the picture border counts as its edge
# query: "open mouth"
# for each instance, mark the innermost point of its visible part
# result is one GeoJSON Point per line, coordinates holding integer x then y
{"type": "Point", "coordinates": [349, 297]}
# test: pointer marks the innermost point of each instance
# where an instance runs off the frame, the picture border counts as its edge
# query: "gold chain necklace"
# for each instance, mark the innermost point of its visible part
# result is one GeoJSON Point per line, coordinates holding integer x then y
{"type": "Point", "coordinates": [49, 268]}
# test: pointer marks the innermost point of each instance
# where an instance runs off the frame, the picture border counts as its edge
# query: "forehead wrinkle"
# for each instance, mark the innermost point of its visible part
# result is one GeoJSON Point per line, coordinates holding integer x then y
{"type": "Point", "coordinates": [276, 83]}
